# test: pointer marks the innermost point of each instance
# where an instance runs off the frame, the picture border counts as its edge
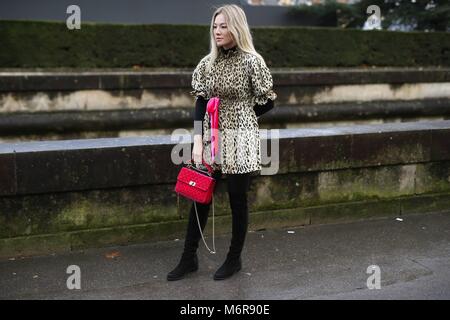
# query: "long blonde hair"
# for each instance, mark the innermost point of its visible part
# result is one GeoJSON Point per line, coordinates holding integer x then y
{"type": "Point", "coordinates": [238, 27]}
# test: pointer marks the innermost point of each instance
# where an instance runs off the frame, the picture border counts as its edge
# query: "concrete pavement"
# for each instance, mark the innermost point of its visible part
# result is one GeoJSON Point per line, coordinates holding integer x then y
{"type": "Point", "coordinates": [313, 262]}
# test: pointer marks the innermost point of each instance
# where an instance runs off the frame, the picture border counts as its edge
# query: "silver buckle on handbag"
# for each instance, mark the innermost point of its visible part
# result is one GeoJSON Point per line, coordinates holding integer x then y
{"type": "Point", "coordinates": [192, 183]}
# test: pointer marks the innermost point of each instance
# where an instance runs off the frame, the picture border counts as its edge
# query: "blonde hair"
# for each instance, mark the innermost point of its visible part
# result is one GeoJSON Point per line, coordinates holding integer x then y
{"type": "Point", "coordinates": [238, 27]}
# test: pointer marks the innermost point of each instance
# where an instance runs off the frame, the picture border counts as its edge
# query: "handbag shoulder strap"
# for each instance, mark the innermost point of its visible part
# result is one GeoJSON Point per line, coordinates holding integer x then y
{"type": "Point", "coordinates": [208, 167]}
{"type": "Point", "coordinates": [210, 170]}
{"type": "Point", "coordinates": [213, 251]}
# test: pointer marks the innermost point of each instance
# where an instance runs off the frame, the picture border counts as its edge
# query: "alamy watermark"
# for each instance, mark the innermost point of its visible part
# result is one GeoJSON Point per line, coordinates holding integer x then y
{"type": "Point", "coordinates": [241, 146]}
{"type": "Point", "coordinates": [374, 281]}
{"type": "Point", "coordinates": [74, 20]}
{"type": "Point", "coordinates": [74, 280]}
{"type": "Point", "coordinates": [373, 22]}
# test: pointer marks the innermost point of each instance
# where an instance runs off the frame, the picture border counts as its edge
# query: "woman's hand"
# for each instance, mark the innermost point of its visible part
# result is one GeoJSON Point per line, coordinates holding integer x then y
{"type": "Point", "coordinates": [197, 152]}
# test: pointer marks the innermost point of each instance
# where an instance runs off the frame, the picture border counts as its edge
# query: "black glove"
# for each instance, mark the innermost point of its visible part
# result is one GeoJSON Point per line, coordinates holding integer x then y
{"type": "Point", "coordinates": [261, 109]}
{"type": "Point", "coordinates": [199, 114]}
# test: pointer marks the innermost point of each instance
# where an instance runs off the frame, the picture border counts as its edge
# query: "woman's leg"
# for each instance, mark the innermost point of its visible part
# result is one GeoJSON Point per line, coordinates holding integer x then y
{"type": "Point", "coordinates": [193, 235]}
{"type": "Point", "coordinates": [238, 186]}
{"type": "Point", "coordinates": [189, 259]}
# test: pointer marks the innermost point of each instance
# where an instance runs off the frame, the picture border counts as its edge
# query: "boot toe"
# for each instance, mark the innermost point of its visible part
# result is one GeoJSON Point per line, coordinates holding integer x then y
{"type": "Point", "coordinates": [182, 269]}
{"type": "Point", "coordinates": [227, 270]}
{"type": "Point", "coordinates": [180, 274]}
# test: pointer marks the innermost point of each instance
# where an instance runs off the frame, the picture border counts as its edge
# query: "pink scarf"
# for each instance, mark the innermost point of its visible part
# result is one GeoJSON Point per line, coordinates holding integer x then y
{"type": "Point", "coordinates": [213, 111]}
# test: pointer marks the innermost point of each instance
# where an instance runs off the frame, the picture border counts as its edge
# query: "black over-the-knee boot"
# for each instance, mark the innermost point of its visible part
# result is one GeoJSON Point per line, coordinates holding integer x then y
{"type": "Point", "coordinates": [189, 259]}
{"type": "Point", "coordinates": [239, 210]}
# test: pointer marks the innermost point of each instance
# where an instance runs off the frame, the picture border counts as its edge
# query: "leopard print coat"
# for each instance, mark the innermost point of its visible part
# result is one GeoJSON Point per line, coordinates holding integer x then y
{"type": "Point", "coordinates": [241, 80]}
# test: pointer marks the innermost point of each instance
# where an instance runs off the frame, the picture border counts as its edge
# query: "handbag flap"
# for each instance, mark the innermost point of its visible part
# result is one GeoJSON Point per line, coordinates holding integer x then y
{"type": "Point", "coordinates": [195, 179]}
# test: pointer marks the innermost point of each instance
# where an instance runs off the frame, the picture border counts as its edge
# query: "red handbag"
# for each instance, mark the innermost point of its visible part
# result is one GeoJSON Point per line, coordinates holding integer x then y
{"type": "Point", "coordinates": [196, 184]}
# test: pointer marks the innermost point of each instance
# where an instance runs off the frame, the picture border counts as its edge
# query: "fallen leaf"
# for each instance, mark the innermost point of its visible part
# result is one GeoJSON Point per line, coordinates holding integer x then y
{"type": "Point", "coordinates": [112, 255]}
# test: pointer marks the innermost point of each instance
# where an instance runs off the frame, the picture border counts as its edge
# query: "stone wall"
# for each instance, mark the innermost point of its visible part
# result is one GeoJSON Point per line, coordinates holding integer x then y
{"type": "Point", "coordinates": [72, 194]}
{"type": "Point", "coordinates": [68, 105]}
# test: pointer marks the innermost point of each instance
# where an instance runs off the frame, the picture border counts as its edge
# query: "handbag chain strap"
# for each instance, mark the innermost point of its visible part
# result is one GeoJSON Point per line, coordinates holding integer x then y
{"type": "Point", "coordinates": [200, 228]}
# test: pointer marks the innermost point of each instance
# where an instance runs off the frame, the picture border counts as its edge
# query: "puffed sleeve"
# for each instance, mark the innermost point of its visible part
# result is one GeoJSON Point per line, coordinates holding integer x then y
{"type": "Point", "coordinates": [261, 82]}
{"type": "Point", "coordinates": [199, 79]}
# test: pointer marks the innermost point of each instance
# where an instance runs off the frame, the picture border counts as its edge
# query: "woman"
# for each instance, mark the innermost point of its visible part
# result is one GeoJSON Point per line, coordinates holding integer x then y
{"type": "Point", "coordinates": [238, 75]}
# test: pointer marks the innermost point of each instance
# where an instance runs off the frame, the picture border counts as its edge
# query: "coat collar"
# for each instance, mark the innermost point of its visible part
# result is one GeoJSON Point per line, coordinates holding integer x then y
{"type": "Point", "coordinates": [226, 53]}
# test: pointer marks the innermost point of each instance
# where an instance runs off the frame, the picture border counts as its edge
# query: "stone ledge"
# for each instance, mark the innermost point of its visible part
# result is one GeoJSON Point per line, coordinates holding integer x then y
{"type": "Point", "coordinates": [86, 164]}
{"type": "Point", "coordinates": [41, 122]}
{"type": "Point", "coordinates": [145, 79]}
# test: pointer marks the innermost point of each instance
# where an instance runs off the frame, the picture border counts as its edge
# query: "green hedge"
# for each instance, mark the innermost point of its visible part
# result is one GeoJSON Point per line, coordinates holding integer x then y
{"type": "Point", "coordinates": [37, 44]}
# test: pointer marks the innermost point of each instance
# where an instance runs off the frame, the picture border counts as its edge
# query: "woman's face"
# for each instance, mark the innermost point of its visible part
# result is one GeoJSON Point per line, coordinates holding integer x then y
{"type": "Point", "coordinates": [221, 33]}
